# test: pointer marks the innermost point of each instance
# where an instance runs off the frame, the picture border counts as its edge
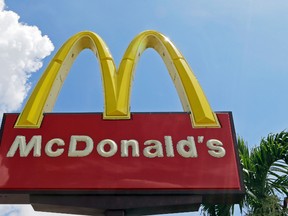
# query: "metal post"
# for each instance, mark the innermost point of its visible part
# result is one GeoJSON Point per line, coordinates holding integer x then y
{"type": "Point", "coordinates": [114, 213]}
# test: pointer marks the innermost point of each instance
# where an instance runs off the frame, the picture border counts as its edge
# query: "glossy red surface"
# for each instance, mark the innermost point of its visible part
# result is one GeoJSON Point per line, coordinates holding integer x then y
{"type": "Point", "coordinates": [94, 172]}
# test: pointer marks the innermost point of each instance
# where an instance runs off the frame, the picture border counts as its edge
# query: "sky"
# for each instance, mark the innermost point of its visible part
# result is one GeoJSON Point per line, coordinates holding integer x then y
{"type": "Point", "coordinates": [237, 49]}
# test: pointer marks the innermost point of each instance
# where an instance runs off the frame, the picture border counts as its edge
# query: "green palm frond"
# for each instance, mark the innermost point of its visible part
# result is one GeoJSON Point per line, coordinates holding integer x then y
{"type": "Point", "coordinates": [265, 174]}
{"type": "Point", "coordinates": [215, 210]}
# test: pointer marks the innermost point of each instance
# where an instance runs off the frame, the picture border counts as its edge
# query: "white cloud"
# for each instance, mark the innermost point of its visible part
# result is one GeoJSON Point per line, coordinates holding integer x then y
{"type": "Point", "coordinates": [1, 5]}
{"type": "Point", "coordinates": [22, 49]}
{"type": "Point", "coordinates": [8, 210]}
{"type": "Point", "coordinates": [27, 210]}
{"type": "Point", "coordinates": [24, 210]}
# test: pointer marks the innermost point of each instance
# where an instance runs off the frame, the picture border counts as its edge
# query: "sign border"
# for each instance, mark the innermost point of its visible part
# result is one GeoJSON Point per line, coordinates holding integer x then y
{"type": "Point", "coordinates": [209, 194]}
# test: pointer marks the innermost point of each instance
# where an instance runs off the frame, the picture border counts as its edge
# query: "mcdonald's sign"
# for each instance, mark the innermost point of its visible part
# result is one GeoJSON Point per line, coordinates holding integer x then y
{"type": "Point", "coordinates": [191, 154]}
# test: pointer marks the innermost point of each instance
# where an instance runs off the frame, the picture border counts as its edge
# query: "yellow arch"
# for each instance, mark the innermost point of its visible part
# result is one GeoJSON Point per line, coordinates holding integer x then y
{"type": "Point", "coordinates": [189, 90]}
{"type": "Point", "coordinates": [117, 86]}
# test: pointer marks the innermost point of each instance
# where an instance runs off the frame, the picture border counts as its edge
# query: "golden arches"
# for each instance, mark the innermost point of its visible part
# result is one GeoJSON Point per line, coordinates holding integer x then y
{"type": "Point", "coordinates": [117, 85]}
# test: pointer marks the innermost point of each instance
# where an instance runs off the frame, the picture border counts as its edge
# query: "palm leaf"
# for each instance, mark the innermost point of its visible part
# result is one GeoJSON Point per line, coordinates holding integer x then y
{"type": "Point", "coordinates": [265, 174]}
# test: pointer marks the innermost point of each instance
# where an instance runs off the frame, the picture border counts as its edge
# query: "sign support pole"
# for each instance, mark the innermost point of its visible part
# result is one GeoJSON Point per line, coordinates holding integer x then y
{"type": "Point", "coordinates": [115, 213]}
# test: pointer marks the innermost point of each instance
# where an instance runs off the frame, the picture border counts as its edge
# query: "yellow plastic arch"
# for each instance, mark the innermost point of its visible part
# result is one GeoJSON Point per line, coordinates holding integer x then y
{"type": "Point", "coordinates": [117, 85]}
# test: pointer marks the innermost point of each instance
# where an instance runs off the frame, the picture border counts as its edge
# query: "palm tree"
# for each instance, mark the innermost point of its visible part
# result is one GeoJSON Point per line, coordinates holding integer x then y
{"type": "Point", "coordinates": [265, 174]}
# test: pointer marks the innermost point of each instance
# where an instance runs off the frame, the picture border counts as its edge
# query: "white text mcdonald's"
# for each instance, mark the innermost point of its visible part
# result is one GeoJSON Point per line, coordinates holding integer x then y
{"type": "Point", "coordinates": [108, 147]}
{"type": "Point", "coordinates": [191, 151]}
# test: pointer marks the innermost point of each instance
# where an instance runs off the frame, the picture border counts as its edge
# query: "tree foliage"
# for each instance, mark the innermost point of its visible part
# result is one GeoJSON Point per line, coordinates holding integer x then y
{"type": "Point", "coordinates": [265, 174]}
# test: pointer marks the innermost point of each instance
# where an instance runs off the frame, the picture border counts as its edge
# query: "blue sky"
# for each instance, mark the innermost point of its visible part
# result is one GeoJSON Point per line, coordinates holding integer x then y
{"type": "Point", "coordinates": [238, 50]}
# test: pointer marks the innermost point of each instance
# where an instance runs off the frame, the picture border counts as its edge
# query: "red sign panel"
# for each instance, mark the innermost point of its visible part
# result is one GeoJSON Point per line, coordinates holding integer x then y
{"type": "Point", "coordinates": [148, 152]}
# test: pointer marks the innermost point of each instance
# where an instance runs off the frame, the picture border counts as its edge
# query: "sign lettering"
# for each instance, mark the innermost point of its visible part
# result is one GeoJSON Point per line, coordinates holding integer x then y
{"type": "Point", "coordinates": [185, 148]}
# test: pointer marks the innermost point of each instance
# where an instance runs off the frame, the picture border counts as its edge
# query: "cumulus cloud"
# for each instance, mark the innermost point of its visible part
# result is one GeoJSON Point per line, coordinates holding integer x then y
{"type": "Point", "coordinates": [1, 5]}
{"type": "Point", "coordinates": [24, 210]}
{"type": "Point", "coordinates": [22, 49]}
{"type": "Point", "coordinates": [8, 210]}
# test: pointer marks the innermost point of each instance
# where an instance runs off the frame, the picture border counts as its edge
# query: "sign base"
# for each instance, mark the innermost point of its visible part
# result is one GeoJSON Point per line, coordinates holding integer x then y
{"type": "Point", "coordinates": [115, 205]}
